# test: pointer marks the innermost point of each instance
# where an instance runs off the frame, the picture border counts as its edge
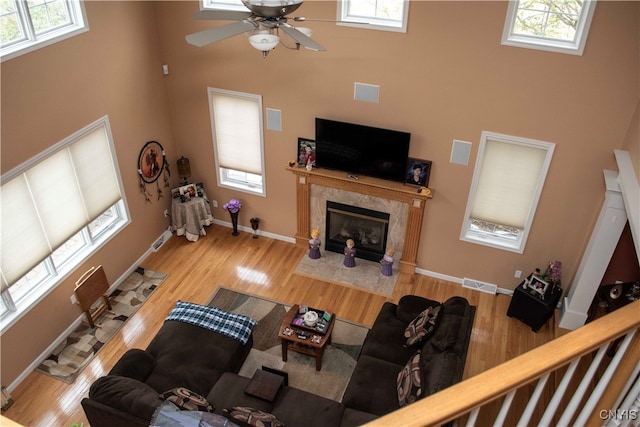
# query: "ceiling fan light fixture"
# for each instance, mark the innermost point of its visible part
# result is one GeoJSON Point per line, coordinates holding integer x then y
{"type": "Point", "coordinates": [264, 42]}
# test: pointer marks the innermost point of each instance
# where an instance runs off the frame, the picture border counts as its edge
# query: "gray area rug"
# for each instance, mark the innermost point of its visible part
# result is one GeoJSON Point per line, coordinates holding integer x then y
{"type": "Point", "coordinates": [366, 274]}
{"type": "Point", "coordinates": [76, 351]}
{"type": "Point", "coordinates": [339, 357]}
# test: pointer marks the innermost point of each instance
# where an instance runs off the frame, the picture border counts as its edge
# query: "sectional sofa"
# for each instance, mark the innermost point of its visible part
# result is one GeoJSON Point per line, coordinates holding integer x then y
{"type": "Point", "coordinates": [389, 373]}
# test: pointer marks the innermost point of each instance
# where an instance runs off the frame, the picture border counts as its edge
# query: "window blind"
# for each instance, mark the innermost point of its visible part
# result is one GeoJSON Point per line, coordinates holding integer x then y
{"type": "Point", "coordinates": [237, 132]}
{"type": "Point", "coordinates": [508, 183]}
{"type": "Point", "coordinates": [47, 203]}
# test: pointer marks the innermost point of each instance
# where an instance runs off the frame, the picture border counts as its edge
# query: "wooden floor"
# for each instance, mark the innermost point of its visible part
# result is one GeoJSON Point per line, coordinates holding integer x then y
{"type": "Point", "coordinates": [263, 267]}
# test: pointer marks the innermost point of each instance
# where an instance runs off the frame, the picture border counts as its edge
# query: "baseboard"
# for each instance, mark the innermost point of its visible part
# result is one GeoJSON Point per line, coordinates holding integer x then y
{"type": "Point", "coordinates": [458, 280]}
{"type": "Point", "coordinates": [43, 356]}
{"type": "Point", "coordinates": [259, 232]}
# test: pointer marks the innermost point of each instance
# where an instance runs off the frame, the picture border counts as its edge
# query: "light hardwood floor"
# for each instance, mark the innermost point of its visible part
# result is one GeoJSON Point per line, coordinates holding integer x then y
{"type": "Point", "coordinates": [262, 267]}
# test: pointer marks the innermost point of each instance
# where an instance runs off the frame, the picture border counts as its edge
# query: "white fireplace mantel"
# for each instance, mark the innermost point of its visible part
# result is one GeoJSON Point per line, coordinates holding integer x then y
{"type": "Point", "coordinates": [414, 199]}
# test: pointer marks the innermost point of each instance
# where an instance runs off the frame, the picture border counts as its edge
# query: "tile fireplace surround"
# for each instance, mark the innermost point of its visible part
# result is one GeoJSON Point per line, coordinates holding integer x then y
{"type": "Point", "coordinates": [405, 205]}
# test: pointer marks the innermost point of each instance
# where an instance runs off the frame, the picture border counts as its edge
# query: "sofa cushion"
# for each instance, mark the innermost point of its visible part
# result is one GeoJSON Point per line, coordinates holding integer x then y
{"type": "Point", "coordinates": [192, 357]}
{"type": "Point", "coordinates": [441, 371]}
{"type": "Point", "coordinates": [422, 326]}
{"type": "Point", "coordinates": [454, 327]}
{"type": "Point", "coordinates": [354, 418]}
{"type": "Point", "coordinates": [372, 387]}
{"type": "Point", "coordinates": [409, 306]}
{"type": "Point", "coordinates": [253, 417]}
{"type": "Point", "coordinates": [169, 415]}
{"type": "Point", "coordinates": [186, 400]}
{"type": "Point", "coordinates": [126, 394]}
{"type": "Point", "coordinates": [409, 386]}
{"type": "Point", "coordinates": [229, 392]}
{"type": "Point", "coordinates": [385, 340]}
{"type": "Point", "coordinates": [300, 408]}
{"type": "Point", "coordinates": [134, 363]}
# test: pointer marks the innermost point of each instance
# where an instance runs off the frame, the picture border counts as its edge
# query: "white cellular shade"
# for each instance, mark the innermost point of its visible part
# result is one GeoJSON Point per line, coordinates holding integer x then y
{"type": "Point", "coordinates": [237, 133]}
{"type": "Point", "coordinates": [508, 183]}
{"type": "Point", "coordinates": [46, 203]}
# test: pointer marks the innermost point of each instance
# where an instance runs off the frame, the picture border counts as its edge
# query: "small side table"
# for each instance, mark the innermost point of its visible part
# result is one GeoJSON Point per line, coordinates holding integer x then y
{"type": "Point", "coordinates": [531, 308]}
{"type": "Point", "coordinates": [189, 218]}
{"type": "Point", "coordinates": [303, 346]}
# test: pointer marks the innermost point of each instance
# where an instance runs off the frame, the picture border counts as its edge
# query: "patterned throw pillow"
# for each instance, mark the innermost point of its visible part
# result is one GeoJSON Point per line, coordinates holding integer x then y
{"type": "Point", "coordinates": [420, 327]}
{"type": "Point", "coordinates": [187, 400]}
{"type": "Point", "coordinates": [253, 417]}
{"type": "Point", "coordinates": [410, 381]}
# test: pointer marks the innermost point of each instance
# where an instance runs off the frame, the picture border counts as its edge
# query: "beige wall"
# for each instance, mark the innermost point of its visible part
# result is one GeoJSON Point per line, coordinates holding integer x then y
{"type": "Point", "coordinates": [114, 70]}
{"type": "Point", "coordinates": [447, 78]}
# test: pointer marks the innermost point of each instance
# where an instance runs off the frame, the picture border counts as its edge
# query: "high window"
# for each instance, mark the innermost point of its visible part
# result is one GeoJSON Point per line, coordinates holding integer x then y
{"type": "Point", "coordinates": [552, 25]}
{"type": "Point", "coordinates": [29, 25]}
{"type": "Point", "coordinates": [57, 210]}
{"type": "Point", "coordinates": [507, 183]}
{"type": "Point", "coordinates": [387, 15]}
{"type": "Point", "coordinates": [236, 122]}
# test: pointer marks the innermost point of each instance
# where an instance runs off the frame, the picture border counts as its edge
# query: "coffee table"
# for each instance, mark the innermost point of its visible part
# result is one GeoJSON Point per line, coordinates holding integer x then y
{"type": "Point", "coordinates": [313, 345]}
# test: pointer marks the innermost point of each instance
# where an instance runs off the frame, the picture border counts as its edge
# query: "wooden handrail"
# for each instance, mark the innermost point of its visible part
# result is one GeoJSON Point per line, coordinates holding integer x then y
{"type": "Point", "coordinates": [459, 399]}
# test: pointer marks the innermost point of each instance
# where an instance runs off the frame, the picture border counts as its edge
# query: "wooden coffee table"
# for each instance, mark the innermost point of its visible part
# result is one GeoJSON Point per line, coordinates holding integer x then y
{"type": "Point", "coordinates": [307, 346]}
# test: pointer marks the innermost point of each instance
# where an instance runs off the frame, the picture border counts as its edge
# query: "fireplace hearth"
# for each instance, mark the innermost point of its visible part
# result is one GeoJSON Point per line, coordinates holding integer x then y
{"type": "Point", "coordinates": [368, 229]}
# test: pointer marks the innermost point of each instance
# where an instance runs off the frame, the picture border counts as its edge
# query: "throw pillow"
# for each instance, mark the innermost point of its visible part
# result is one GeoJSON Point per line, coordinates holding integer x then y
{"type": "Point", "coordinates": [410, 381]}
{"type": "Point", "coordinates": [253, 417]}
{"type": "Point", "coordinates": [187, 400]}
{"type": "Point", "coordinates": [420, 327]}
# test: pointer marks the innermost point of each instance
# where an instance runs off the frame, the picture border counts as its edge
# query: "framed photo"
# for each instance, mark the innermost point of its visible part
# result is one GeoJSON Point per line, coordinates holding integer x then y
{"type": "Point", "coordinates": [175, 193]}
{"type": "Point", "coordinates": [538, 285]}
{"type": "Point", "coordinates": [187, 192]}
{"type": "Point", "coordinates": [151, 161]}
{"type": "Point", "coordinates": [200, 189]}
{"type": "Point", "coordinates": [306, 152]}
{"type": "Point", "coordinates": [418, 172]}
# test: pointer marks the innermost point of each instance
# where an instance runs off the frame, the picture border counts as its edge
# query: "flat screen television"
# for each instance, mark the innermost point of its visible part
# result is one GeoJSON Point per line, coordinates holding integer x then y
{"type": "Point", "coordinates": [362, 150]}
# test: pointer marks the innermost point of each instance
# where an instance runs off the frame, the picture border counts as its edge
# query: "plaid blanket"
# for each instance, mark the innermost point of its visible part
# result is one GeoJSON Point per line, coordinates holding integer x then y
{"type": "Point", "coordinates": [235, 326]}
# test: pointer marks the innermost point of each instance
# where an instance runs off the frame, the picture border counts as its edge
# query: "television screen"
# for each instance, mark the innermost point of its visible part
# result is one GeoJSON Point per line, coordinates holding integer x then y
{"type": "Point", "coordinates": [362, 150]}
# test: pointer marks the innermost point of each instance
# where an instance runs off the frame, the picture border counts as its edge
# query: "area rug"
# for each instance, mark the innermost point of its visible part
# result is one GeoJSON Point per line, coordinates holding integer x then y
{"type": "Point", "coordinates": [339, 357]}
{"type": "Point", "coordinates": [366, 274]}
{"type": "Point", "coordinates": [76, 351]}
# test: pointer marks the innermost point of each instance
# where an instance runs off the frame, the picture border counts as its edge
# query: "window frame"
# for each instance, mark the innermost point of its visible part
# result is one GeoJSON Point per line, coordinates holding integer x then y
{"type": "Point", "coordinates": [222, 5]}
{"type": "Point", "coordinates": [370, 22]}
{"type": "Point", "coordinates": [56, 272]}
{"type": "Point", "coordinates": [518, 244]}
{"type": "Point", "coordinates": [33, 42]}
{"type": "Point", "coordinates": [548, 44]}
{"type": "Point", "coordinates": [231, 178]}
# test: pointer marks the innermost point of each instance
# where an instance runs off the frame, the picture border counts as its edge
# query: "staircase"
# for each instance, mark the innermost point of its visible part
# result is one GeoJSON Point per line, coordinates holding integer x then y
{"type": "Point", "coordinates": [588, 377]}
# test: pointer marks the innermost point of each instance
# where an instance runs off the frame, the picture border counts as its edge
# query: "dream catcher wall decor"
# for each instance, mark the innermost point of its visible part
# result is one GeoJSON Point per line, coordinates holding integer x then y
{"type": "Point", "coordinates": [151, 163]}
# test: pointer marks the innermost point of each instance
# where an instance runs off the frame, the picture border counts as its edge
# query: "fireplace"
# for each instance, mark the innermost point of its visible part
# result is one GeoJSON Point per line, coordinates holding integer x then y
{"type": "Point", "coordinates": [367, 228]}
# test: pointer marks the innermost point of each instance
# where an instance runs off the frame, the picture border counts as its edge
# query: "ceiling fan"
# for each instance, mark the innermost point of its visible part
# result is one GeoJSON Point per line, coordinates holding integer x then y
{"type": "Point", "coordinates": [263, 21]}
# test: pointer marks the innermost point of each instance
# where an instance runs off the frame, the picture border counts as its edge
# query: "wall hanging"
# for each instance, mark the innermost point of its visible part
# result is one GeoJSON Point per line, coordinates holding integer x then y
{"type": "Point", "coordinates": [151, 163]}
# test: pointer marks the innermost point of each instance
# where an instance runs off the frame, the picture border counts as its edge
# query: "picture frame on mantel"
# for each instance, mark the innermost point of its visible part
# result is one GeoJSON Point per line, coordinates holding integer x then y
{"type": "Point", "coordinates": [418, 172]}
{"type": "Point", "coordinates": [306, 150]}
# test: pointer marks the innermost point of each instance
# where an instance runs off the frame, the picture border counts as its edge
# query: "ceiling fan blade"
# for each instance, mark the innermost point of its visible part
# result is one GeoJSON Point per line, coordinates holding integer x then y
{"type": "Point", "coordinates": [301, 38]}
{"type": "Point", "coordinates": [222, 15]}
{"type": "Point", "coordinates": [216, 34]}
{"type": "Point", "coordinates": [303, 19]}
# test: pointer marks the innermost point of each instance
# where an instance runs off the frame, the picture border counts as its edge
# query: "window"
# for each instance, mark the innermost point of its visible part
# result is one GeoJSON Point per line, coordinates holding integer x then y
{"type": "Point", "coordinates": [57, 209]}
{"type": "Point", "coordinates": [552, 25]}
{"type": "Point", "coordinates": [387, 15]}
{"type": "Point", "coordinates": [236, 122]}
{"type": "Point", "coordinates": [29, 25]}
{"type": "Point", "coordinates": [507, 182]}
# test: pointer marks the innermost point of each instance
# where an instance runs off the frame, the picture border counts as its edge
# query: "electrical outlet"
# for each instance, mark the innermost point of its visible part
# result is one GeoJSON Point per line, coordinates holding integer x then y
{"type": "Point", "coordinates": [166, 213]}
{"type": "Point", "coordinates": [73, 299]}
{"type": "Point", "coordinates": [518, 274]}
{"type": "Point", "coordinates": [214, 203]}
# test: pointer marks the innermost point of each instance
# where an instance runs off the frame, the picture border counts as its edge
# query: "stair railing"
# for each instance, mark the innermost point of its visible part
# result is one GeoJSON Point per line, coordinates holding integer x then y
{"type": "Point", "coordinates": [599, 398]}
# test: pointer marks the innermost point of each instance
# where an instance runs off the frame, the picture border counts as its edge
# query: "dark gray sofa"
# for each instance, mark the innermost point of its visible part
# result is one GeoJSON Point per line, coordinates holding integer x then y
{"type": "Point", "coordinates": [183, 355]}
{"type": "Point", "coordinates": [372, 387]}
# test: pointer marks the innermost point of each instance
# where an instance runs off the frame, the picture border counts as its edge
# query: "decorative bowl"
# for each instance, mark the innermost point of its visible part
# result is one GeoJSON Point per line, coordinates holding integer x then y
{"type": "Point", "coordinates": [310, 318]}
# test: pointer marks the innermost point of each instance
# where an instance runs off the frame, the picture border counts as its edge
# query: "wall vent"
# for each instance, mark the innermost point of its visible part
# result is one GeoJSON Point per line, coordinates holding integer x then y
{"type": "Point", "coordinates": [165, 236]}
{"type": "Point", "coordinates": [479, 286]}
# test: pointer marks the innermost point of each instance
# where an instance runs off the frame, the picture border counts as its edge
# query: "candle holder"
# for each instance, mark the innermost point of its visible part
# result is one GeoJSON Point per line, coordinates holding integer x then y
{"type": "Point", "coordinates": [255, 223]}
